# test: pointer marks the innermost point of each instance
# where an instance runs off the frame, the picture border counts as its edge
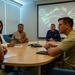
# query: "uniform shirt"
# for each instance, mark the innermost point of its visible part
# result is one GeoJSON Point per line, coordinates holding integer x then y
{"type": "Point", "coordinates": [68, 47]}
{"type": "Point", "coordinates": [55, 35]}
{"type": "Point", "coordinates": [17, 36]}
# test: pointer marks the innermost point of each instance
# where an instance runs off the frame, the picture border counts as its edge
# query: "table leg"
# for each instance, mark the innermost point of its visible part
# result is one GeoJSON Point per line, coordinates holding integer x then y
{"type": "Point", "coordinates": [39, 70]}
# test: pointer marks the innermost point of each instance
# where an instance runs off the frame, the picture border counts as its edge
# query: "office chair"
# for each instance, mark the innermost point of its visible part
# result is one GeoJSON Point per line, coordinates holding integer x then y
{"type": "Point", "coordinates": [7, 38]}
{"type": "Point", "coordinates": [59, 71]}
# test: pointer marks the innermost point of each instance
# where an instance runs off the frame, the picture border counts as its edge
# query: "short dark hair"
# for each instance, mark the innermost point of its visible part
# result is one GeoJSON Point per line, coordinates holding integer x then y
{"type": "Point", "coordinates": [67, 20]}
{"type": "Point", "coordinates": [52, 24]}
{"type": "Point", "coordinates": [20, 24]}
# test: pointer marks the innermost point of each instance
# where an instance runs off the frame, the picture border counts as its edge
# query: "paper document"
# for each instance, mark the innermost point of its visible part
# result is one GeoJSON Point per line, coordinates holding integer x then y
{"type": "Point", "coordinates": [9, 55]}
{"type": "Point", "coordinates": [31, 42]}
{"type": "Point", "coordinates": [18, 46]}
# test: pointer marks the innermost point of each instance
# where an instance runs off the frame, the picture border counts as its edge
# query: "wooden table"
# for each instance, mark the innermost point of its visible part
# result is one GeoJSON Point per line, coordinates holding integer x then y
{"type": "Point", "coordinates": [26, 56]}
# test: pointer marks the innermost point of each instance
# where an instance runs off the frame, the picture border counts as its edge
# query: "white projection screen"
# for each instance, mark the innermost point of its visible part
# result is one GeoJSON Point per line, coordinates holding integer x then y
{"type": "Point", "coordinates": [48, 14]}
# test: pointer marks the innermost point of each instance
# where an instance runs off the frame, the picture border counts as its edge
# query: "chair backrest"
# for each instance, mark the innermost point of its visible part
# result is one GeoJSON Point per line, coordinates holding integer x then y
{"type": "Point", "coordinates": [7, 38]}
{"type": "Point", "coordinates": [58, 71]}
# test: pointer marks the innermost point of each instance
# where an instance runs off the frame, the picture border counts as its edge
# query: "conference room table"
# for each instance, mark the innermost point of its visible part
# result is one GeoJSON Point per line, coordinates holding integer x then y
{"type": "Point", "coordinates": [24, 55]}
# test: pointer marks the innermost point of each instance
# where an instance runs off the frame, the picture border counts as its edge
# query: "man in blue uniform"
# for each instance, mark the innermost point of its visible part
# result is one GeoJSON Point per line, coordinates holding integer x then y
{"type": "Point", "coordinates": [53, 34]}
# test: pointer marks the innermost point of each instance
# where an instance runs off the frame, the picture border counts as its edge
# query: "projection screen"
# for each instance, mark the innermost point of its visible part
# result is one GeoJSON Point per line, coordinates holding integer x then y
{"type": "Point", "coordinates": [48, 14]}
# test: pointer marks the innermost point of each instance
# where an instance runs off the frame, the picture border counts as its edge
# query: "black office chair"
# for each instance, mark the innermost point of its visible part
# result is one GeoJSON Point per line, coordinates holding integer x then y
{"type": "Point", "coordinates": [58, 71]}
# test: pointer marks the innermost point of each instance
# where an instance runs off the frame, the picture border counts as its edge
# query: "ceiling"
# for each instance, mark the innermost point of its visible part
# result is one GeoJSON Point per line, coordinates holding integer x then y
{"type": "Point", "coordinates": [34, 1]}
{"type": "Point", "coordinates": [28, 1]}
{"type": "Point", "coordinates": [23, 2]}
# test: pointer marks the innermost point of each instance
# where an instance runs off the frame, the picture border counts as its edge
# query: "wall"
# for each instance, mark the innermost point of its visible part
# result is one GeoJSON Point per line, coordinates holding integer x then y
{"type": "Point", "coordinates": [29, 18]}
{"type": "Point", "coordinates": [10, 16]}
{"type": "Point", "coordinates": [2, 14]}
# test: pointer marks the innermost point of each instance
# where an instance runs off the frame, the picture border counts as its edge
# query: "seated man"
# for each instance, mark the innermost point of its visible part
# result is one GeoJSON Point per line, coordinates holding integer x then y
{"type": "Point", "coordinates": [19, 36]}
{"type": "Point", "coordinates": [67, 46]}
{"type": "Point", "coordinates": [53, 34]}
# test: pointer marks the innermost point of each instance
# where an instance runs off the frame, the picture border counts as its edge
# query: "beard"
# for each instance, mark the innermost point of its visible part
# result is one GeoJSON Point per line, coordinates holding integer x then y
{"type": "Point", "coordinates": [20, 31]}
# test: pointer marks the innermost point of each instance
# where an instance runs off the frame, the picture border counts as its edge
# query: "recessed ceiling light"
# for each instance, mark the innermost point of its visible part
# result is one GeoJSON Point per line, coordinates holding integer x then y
{"type": "Point", "coordinates": [19, 2]}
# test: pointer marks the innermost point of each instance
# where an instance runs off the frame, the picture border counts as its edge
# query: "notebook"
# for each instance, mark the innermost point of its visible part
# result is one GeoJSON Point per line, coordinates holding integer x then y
{"type": "Point", "coordinates": [35, 45]}
{"type": "Point", "coordinates": [42, 52]}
